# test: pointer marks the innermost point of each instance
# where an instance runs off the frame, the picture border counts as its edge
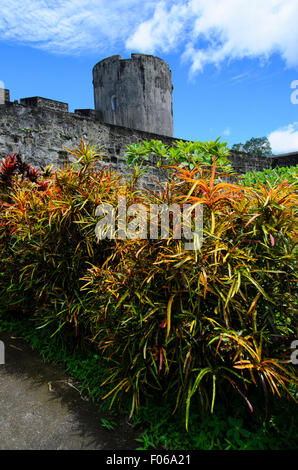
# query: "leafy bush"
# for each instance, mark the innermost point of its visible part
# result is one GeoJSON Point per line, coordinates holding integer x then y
{"type": "Point", "coordinates": [223, 317]}
{"type": "Point", "coordinates": [185, 154]}
{"type": "Point", "coordinates": [271, 176]}
{"type": "Point", "coordinates": [205, 323]}
{"type": "Point", "coordinates": [48, 239]}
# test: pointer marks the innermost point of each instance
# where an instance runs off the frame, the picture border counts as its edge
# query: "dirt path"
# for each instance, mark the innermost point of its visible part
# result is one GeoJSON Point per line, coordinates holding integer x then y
{"type": "Point", "coordinates": [41, 410]}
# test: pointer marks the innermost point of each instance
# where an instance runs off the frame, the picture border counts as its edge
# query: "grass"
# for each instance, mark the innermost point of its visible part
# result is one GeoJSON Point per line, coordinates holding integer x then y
{"type": "Point", "coordinates": [231, 427]}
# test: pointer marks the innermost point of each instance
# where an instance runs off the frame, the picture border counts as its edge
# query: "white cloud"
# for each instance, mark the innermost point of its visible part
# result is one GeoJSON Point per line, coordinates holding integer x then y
{"type": "Point", "coordinates": [214, 31]}
{"type": "Point", "coordinates": [164, 31]}
{"type": "Point", "coordinates": [69, 26]}
{"type": "Point", "coordinates": [285, 139]}
{"type": "Point", "coordinates": [226, 132]}
{"type": "Point", "coordinates": [204, 31]}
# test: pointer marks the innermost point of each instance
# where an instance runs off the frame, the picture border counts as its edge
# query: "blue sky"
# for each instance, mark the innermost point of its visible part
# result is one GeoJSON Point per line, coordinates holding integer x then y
{"type": "Point", "coordinates": [233, 62]}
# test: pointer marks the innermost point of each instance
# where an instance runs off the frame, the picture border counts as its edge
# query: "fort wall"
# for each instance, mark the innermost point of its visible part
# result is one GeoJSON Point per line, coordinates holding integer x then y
{"type": "Point", "coordinates": [40, 129]}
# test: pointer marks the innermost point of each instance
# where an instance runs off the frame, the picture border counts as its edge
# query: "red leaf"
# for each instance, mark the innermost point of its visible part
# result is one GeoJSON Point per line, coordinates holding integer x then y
{"type": "Point", "coordinates": [160, 360]}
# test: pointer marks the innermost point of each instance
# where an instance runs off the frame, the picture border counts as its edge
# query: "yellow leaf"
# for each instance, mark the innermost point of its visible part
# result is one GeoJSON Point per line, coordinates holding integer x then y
{"type": "Point", "coordinates": [169, 311]}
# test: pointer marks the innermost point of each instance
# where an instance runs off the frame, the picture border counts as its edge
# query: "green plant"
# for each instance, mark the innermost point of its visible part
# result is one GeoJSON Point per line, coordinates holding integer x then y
{"type": "Point", "coordinates": [185, 154]}
{"type": "Point", "coordinates": [200, 325]}
{"type": "Point", "coordinates": [271, 176]}
{"type": "Point", "coordinates": [85, 155]}
{"type": "Point", "coordinates": [108, 424]}
{"type": "Point", "coordinates": [218, 316]}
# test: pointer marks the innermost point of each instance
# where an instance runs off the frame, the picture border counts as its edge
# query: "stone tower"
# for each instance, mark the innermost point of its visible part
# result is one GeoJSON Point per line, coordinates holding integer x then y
{"type": "Point", "coordinates": [135, 93]}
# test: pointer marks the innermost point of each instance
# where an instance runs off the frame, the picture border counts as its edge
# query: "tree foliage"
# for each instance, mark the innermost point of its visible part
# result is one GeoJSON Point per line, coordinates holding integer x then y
{"type": "Point", "coordinates": [259, 146]}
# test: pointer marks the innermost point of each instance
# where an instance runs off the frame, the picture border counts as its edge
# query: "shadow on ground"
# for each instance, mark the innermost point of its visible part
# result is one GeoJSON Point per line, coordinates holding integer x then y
{"type": "Point", "coordinates": [42, 409]}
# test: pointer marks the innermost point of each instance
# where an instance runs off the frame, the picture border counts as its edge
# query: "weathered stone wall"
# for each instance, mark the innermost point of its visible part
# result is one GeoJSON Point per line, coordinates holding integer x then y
{"type": "Point", "coordinates": [242, 162]}
{"type": "Point", "coordinates": [37, 101]}
{"type": "Point", "coordinates": [39, 134]}
{"type": "Point", "coordinates": [4, 96]}
{"type": "Point", "coordinates": [287, 159]}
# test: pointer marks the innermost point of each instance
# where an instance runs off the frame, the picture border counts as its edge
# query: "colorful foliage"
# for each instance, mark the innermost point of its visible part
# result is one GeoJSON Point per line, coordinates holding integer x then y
{"type": "Point", "coordinates": [169, 321]}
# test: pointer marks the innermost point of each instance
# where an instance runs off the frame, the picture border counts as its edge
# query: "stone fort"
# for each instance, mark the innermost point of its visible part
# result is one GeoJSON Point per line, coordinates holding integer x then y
{"type": "Point", "coordinates": [132, 103]}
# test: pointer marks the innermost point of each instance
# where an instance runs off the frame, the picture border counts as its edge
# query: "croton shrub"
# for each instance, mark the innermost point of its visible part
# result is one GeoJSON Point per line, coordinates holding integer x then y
{"type": "Point", "coordinates": [205, 323]}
